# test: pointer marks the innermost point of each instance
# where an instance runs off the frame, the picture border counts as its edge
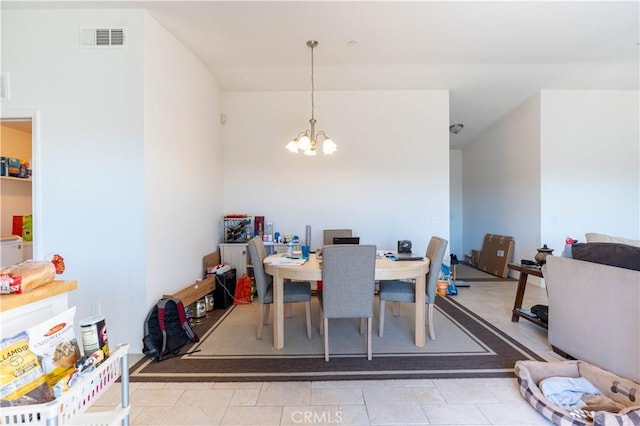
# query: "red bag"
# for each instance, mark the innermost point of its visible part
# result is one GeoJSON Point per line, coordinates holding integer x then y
{"type": "Point", "coordinates": [243, 291]}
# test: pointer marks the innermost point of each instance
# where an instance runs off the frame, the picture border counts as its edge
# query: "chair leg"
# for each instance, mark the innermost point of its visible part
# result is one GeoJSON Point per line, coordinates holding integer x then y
{"type": "Point", "coordinates": [307, 306]}
{"type": "Point", "coordinates": [267, 313]}
{"type": "Point", "coordinates": [381, 319]}
{"type": "Point", "coordinates": [321, 323]}
{"type": "Point", "coordinates": [369, 331]}
{"type": "Point", "coordinates": [326, 339]}
{"type": "Point", "coordinates": [432, 332]}
{"type": "Point", "coordinates": [261, 309]}
{"type": "Point", "coordinates": [395, 308]}
{"type": "Point", "coordinates": [361, 325]}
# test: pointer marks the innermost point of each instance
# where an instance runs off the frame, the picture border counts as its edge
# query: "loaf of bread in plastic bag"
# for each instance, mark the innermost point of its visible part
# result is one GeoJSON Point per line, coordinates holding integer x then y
{"type": "Point", "coordinates": [25, 276]}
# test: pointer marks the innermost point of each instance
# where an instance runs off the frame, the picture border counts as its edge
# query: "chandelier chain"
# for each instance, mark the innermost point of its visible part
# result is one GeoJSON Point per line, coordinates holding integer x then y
{"type": "Point", "coordinates": [312, 89]}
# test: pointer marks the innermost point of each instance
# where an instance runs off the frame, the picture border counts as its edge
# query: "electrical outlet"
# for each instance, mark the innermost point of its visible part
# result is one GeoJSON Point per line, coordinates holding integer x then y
{"type": "Point", "coordinates": [435, 219]}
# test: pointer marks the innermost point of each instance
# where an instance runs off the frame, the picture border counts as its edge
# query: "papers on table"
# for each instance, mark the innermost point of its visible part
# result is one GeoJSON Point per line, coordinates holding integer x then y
{"type": "Point", "coordinates": [284, 261]}
{"type": "Point", "coordinates": [383, 253]}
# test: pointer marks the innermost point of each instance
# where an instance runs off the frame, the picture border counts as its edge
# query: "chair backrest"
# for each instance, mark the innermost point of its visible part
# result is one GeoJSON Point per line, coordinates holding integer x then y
{"type": "Point", "coordinates": [257, 253]}
{"type": "Point", "coordinates": [435, 253]}
{"type": "Point", "coordinates": [348, 280]}
{"type": "Point", "coordinates": [330, 234]}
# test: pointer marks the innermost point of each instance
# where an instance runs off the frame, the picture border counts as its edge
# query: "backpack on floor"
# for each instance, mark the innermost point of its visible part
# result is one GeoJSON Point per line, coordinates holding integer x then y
{"type": "Point", "coordinates": [166, 330]}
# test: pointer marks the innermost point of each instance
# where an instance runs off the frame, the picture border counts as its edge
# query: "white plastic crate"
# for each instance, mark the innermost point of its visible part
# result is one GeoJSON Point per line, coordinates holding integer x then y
{"type": "Point", "coordinates": [70, 408]}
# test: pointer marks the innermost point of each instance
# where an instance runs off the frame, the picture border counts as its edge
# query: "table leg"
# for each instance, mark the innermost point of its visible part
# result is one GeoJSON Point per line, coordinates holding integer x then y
{"type": "Point", "coordinates": [278, 314]}
{"type": "Point", "coordinates": [420, 309]}
{"type": "Point", "coordinates": [522, 284]}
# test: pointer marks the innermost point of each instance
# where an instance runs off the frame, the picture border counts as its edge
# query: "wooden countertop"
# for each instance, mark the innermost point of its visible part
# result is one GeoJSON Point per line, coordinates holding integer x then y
{"type": "Point", "coordinates": [54, 288]}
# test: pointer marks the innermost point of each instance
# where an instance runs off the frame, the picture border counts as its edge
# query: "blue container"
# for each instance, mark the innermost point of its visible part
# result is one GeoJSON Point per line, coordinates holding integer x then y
{"type": "Point", "coordinates": [3, 166]}
{"type": "Point", "coordinates": [13, 166]}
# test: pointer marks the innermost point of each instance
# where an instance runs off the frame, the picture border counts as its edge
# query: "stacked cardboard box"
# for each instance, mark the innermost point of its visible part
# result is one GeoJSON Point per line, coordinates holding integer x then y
{"type": "Point", "coordinates": [497, 251]}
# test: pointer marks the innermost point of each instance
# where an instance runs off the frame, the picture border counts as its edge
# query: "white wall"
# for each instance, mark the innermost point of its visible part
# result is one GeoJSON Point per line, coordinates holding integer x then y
{"type": "Point", "coordinates": [102, 197]}
{"type": "Point", "coordinates": [501, 182]}
{"type": "Point", "coordinates": [90, 147]}
{"type": "Point", "coordinates": [182, 162]}
{"type": "Point", "coordinates": [389, 179]}
{"type": "Point", "coordinates": [456, 204]}
{"type": "Point", "coordinates": [590, 165]}
{"type": "Point", "coordinates": [563, 163]}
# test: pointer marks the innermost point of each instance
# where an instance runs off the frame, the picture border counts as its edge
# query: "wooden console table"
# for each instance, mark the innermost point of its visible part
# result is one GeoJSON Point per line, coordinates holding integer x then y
{"type": "Point", "coordinates": [518, 312]}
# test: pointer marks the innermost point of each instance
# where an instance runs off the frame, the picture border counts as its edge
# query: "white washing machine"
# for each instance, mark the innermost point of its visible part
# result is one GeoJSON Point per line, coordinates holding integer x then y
{"type": "Point", "coordinates": [11, 250]}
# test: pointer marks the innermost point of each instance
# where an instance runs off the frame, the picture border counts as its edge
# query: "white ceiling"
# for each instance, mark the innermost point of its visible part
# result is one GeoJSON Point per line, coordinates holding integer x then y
{"type": "Point", "coordinates": [491, 55]}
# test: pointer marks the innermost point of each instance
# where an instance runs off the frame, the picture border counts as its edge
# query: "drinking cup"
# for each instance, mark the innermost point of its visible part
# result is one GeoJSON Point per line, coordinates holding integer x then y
{"type": "Point", "coordinates": [305, 252]}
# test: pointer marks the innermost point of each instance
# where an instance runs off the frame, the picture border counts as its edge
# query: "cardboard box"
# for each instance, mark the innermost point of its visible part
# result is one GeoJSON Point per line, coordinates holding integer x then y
{"type": "Point", "coordinates": [475, 257]}
{"type": "Point", "coordinates": [496, 254]}
{"type": "Point", "coordinates": [23, 227]}
{"type": "Point", "coordinates": [13, 167]}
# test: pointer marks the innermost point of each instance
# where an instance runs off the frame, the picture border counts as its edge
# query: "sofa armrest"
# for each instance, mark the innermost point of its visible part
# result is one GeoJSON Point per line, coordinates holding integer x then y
{"type": "Point", "coordinates": [594, 313]}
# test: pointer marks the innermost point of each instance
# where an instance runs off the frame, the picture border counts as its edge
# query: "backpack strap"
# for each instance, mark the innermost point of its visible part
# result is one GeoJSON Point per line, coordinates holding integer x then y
{"type": "Point", "coordinates": [183, 321]}
{"type": "Point", "coordinates": [161, 307]}
{"type": "Point", "coordinates": [148, 346]}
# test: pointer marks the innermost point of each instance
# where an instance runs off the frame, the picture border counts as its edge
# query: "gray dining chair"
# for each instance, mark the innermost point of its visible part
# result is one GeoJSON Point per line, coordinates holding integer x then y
{"type": "Point", "coordinates": [294, 291]}
{"type": "Point", "coordinates": [404, 290]}
{"type": "Point", "coordinates": [329, 234]}
{"type": "Point", "coordinates": [348, 277]}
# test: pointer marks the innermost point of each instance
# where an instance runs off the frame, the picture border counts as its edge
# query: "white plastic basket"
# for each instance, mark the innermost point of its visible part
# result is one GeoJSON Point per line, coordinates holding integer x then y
{"type": "Point", "coordinates": [69, 408]}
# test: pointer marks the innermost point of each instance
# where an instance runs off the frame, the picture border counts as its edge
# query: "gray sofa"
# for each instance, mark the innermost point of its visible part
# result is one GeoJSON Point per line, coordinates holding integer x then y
{"type": "Point", "coordinates": [594, 313]}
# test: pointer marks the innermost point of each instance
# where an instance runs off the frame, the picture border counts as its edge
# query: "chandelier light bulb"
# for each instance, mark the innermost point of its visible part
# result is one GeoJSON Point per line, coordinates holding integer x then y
{"type": "Point", "coordinates": [292, 147]}
{"type": "Point", "coordinates": [304, 143]}
{"type": "Point", "coordinates": [329, 147]}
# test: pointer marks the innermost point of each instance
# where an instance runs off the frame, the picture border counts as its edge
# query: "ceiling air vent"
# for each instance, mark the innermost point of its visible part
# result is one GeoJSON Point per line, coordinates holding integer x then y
{"type": "Point", "coordinates": [102, 37]}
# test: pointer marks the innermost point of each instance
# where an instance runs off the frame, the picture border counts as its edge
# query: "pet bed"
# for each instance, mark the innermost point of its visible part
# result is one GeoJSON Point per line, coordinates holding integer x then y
{"type": "Point", "coordinates": [621, 391]}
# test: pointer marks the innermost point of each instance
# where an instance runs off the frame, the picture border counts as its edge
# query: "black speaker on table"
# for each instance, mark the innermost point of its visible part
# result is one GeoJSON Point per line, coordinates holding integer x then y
{"type": "Point", "coordinates": [404, 246]}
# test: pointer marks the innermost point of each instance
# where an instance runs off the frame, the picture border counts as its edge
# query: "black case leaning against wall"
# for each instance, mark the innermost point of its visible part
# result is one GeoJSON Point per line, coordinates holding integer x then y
{"type": "Point", "coordinates": [225, 289]}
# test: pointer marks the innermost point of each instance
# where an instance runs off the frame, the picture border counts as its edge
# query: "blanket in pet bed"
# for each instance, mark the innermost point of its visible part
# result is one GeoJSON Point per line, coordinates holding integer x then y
{"type": "Point", "coordinates": [617, 403]}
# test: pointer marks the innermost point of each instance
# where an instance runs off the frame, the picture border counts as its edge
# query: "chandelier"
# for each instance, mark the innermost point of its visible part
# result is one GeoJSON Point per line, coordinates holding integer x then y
{"type": "Point", "coordinates": [308, 140]}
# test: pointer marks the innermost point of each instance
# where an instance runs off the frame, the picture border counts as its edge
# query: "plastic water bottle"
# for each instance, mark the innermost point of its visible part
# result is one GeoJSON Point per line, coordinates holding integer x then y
{"type": "Point", "coordinates": [290, 249]}
{"type": "Point", "coordinates": [568, 244]}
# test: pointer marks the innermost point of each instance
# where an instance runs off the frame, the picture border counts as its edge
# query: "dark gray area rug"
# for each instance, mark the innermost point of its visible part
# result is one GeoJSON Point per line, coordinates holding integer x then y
{"type": "Point", "coordinates": [466, 346]}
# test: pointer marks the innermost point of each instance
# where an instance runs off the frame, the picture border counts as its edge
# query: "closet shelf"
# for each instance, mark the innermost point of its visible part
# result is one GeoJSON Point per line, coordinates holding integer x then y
{"type": "Point", "coordinates": [15, 178]}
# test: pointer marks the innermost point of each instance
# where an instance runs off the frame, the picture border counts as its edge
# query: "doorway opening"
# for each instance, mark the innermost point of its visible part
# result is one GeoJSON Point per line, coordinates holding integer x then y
{"type": "Point", "coordinates": [19, 211]}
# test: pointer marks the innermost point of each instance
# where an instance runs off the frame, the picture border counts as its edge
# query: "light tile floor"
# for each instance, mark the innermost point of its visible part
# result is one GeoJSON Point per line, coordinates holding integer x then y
{"type": "Point", "coordinates": [356, 402]}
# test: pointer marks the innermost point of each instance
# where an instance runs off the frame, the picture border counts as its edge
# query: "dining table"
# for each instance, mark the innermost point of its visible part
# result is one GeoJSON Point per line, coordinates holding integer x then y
{"type": "Point", "coordinates": [283, 268]}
